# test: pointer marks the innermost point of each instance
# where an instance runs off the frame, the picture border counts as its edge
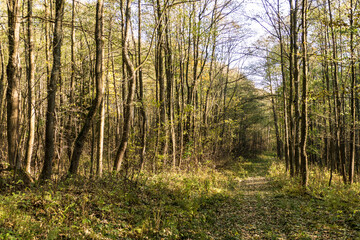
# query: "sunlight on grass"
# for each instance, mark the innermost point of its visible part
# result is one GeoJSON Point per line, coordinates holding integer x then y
{"type": "Point", "coordinates": [245, 199]}
{"type": "Point", "coordinates": [332, 210]}
{"type": "Point", "coordinates": [168, 205]}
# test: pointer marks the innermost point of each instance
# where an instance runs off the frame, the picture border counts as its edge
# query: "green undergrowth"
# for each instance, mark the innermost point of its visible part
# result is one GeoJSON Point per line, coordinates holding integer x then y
{"type": "Point", "coordinates": [164, 206]}
{"type": "Point", "coordinates": [240, 199]}
{"type": "Point", "coordinates": [255, 166]}
{"type": "Point", "coordinates": [319, 211]}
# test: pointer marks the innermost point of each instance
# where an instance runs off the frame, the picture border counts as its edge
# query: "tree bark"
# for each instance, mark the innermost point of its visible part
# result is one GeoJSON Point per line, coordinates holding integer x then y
{"type": "Point", "coordinates": [2, 89]}
{"type": "Point", "coordinates": [70, 125]}
{"type": "Point", "coordinates": [169, 88]}
{"type": "Point", "coordinates": [80, 139]}
{"type": "Point", "coordinates": [338, 153]}
{"type": "Point", "coordinates": [353, 113]}
{"type": "Point", "coordinates": [296, 76]}
{"type": "Point", "coordinates": [141, 95]}
{"type": "Point", "coordinates": [291, 92]}
{"type": "Point", "coordinates": [304, 117]}
{"type": "Point", "coordinates": [277, 133]}
{"type": "Point", "coordinates": [52, 86]}
{"type": "Point", "coordinates": [31, 93]}
{"type": "Point", "coordinates": [13, 78]}
{"type": "Point", "coordinates": [284, 93]}
{"type": "Point", "coordinates": [130, 97]}
{"type": "Point", "coordinates": [100, 147]}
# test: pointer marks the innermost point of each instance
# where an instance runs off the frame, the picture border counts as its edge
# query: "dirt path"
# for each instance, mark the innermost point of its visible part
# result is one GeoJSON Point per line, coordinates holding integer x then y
{"type": "Point", "coordinates": [257, 210]}
{"type": "Point", "coordinates": [264, 211]}
{"type": "Point", "coordinates": [255, 215]}
{"type": "Point", "coordinates": [242, 199]}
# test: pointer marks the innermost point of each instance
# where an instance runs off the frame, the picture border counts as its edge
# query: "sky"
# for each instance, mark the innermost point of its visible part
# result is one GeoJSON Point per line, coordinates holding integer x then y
{"type": "Point", "coordinates": [251, 63]}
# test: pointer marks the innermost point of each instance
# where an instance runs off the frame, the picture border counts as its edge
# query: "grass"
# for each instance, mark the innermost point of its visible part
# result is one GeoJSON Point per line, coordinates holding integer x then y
{"type": "Point", "coordinates": [244, 199]}
{"type": "Point", "coordinates": [322, 211]}
{"type": "Point", "coordinates": [163, 206]}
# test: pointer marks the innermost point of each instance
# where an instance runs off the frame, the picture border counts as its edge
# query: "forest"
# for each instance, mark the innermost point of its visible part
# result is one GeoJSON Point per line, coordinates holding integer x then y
{"type": "Point", "coordinates": [179, 119]}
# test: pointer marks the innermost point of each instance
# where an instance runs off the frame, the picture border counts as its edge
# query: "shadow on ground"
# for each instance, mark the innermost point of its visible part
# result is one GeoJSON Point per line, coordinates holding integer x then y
{"type": "Point", "coordinates": [267, 212]}
{"type": "Point", "coordinates": [237, 201]}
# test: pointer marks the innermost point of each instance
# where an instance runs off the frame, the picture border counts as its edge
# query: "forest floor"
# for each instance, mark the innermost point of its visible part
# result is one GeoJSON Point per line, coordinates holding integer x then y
{"type": "Point", "coordinates": [241, 199]}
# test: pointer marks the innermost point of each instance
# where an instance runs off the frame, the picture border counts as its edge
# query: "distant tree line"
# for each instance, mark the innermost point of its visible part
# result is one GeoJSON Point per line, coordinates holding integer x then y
{"type": "Point", "coordinates": [313, 68]}
{"type": "Point", "coordinates": [124, 86]}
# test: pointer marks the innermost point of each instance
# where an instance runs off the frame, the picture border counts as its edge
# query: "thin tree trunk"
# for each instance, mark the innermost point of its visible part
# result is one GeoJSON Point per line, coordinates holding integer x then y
{"type": "Point", "coordinates": [353, 114]}
{"type": "Point", "coordinates": [169, 89]}
{"type": "Point", "coordinates": [2, 88]}
{"type": "Point", "coordinates": [141, 97]}
{"type": "Point", "coordinates": [92, 154]}
{"type": "Point", "coordinates": [291, 90]}
{"type": "Point", "coordinates": [100, 147]}
{"type": "Point", "coordinates": [277, 134]}
{"type": "Point", "coordinates": [80, 140]}
{"type": "Point", "coordinates": [326, 140]}
{"type": "Point", "coordinates": [296, 76]}
{"type": "Point", "coordinates": [339, 154]}
{"type": "Point", "coordinates": [2, 78]}
{"type": "Point", "coordinates": [47, 41]}
{"type": "Point", "coordinates": [70, 125]}
{"type": "Point", "coordinates": [284, 94]}
{"type": "Point", "coordinates": [304, 117]}
{"type": "Point", "coordinates": [130, 97]}
{"type": "Point", "coordinates": [117, 104]}
{"type": "Point", "coordinates": [31, 93]}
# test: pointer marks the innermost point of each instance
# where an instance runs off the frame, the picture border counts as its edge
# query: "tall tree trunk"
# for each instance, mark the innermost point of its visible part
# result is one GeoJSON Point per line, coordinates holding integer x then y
{"type": "Point", "coordinates": [326, 139]}
{"type": "Point", "coordinates": [117, 103]}
{"type": "Point", "coordinates": [159, 62]}
{"type": "Point", "coordinates": [54, 79]}
{"type": "Point", "coordinates": [291, 92]}
{"type": "Point", "coordinates": [80, 139]}
{"type": "Point", "coordinates": [353, 114]}
{"type": "Point", "coordinates": [141, 96]}
{"type": "Point", "coordinates": [284, 93]}
{"type": "Point", "coordinates": [70, 125]}
{"type": "Point", "coordinates": [187, 123]}
{"type": "Point", "coordinates": [31, 93]}
{"type": "Point", "coordinates": [130, 97]}
{"type": "Point", "coordinates": [304, 117]}
{"type": "Point", "coordinates": [181, 98]}
{"type": "Point", "coordinates": [296, 76]}
{"type": "Point", "coordinates": [169, 89]}
{"type": "Point", "coordinates": [13, 78]}
{"type": "Point", "coordinates": [339, 154]}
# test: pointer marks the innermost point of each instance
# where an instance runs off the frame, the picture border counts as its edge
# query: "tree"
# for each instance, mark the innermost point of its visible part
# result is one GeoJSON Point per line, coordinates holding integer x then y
{"type": "Point", "coordinates": [304, 117]}
{"type": "Point", "coordinates": [80, 139]}
{"type": "Point", "coordinates": [31, 92]}
{"type": "Point", "coordinates": [353, 106]}
{"type": "Point", "coordinates": [141, 94]}
{"type": "Point", "coordinates": [13, 77]}
{"type": "Point", "coordinates": [52, 87]}
{"type": "Point", "coordinates": [173, 108]}
{"type": "Point", "coordinates": [130, 97]}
